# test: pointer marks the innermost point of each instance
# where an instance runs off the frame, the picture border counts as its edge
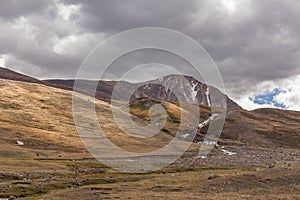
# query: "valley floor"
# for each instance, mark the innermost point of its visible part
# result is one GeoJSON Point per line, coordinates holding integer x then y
{"type": "Point", "coordinates": [252, 173]}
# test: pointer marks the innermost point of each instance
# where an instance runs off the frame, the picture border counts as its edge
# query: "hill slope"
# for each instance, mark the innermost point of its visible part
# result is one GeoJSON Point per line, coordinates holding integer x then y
{"type": "Point", "coordinates": [15, 76]}
{"type": "Point", "coordinates": [271, 128]}
{"type": "Point", "coordinates": [33, 98]}
{"type": "Point", "coordinates": [264, 127]}
{"type": "Point", "coordinates": [41, 116]}
{"type": "Point", "coordinates": [12, 75]}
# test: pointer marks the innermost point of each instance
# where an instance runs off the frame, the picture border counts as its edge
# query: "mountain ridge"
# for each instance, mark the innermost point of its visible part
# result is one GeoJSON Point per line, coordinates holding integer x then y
{"type": "Point", "coordinates": [9, 74]}
{"type": "Point", "coordinates": [193, 91]}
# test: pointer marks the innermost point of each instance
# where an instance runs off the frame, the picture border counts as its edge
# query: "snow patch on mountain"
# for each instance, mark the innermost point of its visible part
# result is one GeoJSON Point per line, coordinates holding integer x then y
{"type": "Point", "coordinates": [212, 117]}
{"type": "Point", "coordinates": [194, 91]}
{"type": "Point", "coordinates": [207, 96]}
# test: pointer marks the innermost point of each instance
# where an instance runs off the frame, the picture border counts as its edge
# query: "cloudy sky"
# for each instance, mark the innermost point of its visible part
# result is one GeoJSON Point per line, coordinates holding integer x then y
{"type": "Point", "coordinates": [255, 43]}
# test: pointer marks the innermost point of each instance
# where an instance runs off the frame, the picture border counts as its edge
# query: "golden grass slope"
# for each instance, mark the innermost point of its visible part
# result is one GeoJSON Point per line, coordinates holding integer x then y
{"type": "Point", "coordinates": [41, 117]}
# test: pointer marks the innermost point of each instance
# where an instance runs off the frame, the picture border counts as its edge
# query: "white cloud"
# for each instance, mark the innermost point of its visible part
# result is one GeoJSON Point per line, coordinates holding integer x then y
{"type": "Point", "coordinates": [77, 44]}
{"type": "Point", "coordinates": [289, 97]}
{"type": "Point", "coordinates": [229, 5]}
{"type": "Point", "coordinates": [2, 61]}
{"type": "Point", "coordinates": [247, 104]}
{"type": "Point", "coordinates": [66, 11]}
{"type": "Point", "coordinates": [20, 65]}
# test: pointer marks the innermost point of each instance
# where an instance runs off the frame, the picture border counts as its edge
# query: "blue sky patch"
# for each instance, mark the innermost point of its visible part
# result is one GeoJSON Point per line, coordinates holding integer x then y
{"type": "Point", "coordinates": [267, 98]}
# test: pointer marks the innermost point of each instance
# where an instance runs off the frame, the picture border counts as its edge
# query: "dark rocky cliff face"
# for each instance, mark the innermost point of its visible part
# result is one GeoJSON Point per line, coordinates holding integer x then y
{"type": "Point", "coordinates": [186, 89]}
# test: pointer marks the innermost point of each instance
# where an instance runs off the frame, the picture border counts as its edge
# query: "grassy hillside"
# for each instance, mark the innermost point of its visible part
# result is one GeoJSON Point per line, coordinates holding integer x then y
{"type": "Point", "coordinates": [54, 164]}
{"type": "Point", "coordinates": [41, 117]}
{"type": "Point", "coordinates": [264, 127]}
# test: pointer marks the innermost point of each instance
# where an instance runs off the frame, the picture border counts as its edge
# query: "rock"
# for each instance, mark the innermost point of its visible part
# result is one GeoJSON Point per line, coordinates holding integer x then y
{"type": "Point", "coordinates": [213, 177]}
{"type": "Point", "coordinates": [246, 196]}
{"type": "Point", "coordinates": [202, 156]}
{"type": "Point", "coordinates": [228, 152]}
{"type": "Point", "coordinates": [11, 198]}
{"type": "Point", "coordinates": [272, 165]}
{"type": "Point", "coordinates": [20, 143]}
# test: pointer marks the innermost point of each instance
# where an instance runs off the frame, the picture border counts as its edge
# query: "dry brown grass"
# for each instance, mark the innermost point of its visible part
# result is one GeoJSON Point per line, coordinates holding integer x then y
{"type": "Point", "coordinates": [279, 183]}
{"type": "Point", "coordinates": [54, 164]}
{"type": "Point", "coordinates": [41, 117]}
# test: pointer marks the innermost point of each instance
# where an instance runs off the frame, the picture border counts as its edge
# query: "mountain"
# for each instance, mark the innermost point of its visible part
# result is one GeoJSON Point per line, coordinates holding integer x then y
{"type": "Point", "coordinates": [26, 101]}
{"type": "Point", "coordinates": [191, 90]}
{"type": "Point", "coordinates": [36, 114]}
{"type": "Point", "coordinates": [12, 75]}
{"type": "Point", "coordinates": [188, 90]}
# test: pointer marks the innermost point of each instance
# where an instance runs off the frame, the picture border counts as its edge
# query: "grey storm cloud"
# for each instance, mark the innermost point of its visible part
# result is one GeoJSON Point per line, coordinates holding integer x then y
{"type": "Point", "coordinates": [262, 34]}
{"type": "Point", "coordinates": [11, 9]}
{"type": "Point", "coordinates": [250, 41]}
{"type": "Point", "coordinates": [116, 15]}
